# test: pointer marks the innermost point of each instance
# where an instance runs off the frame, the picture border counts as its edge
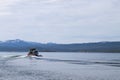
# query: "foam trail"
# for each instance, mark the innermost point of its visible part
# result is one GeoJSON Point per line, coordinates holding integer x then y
{"type": "Point", "coordinates": [114, 63]}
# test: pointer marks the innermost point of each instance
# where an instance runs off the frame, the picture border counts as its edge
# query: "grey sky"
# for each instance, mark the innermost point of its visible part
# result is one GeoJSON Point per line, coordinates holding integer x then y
{"type": "Point", "coordinates": [60, 21]}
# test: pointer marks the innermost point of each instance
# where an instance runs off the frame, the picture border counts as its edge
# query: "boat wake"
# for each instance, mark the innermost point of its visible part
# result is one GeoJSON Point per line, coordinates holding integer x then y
{"type": "Point", "coordinates": [115, 63]}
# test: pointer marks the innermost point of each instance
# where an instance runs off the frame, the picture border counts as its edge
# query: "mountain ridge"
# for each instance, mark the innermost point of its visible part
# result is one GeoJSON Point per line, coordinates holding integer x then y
{"type": "Point", "coordinates": [18, 45]}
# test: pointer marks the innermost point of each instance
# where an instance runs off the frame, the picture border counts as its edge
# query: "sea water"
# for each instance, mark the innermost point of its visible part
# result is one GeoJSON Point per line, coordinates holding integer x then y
{"type": "Point", "coordinates": [60, 66]}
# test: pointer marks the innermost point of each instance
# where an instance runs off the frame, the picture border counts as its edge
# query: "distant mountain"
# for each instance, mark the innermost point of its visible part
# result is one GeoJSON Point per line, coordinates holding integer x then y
{"type": "Point", "coordinates": [21, 46]}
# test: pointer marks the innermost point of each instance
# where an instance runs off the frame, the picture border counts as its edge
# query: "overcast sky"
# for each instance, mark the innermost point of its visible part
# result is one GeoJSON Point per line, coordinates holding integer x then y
{"type": "Point", "coordinates": [60, 21]}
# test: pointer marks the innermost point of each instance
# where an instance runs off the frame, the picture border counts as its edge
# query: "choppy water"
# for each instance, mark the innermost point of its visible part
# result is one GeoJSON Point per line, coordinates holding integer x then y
{"type": "Point", "coordinates": [60, 66]}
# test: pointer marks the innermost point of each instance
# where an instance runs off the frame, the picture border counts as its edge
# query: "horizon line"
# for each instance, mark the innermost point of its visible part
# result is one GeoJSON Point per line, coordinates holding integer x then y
{"type": "Point", "coordinates": [58, 43]}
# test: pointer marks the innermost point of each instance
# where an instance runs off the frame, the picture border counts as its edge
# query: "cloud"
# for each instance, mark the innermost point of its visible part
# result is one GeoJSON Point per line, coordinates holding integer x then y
{"type": "Point", "coordinates": [4, 6]}
{"type": "Point", "coordinates": [60, 20]}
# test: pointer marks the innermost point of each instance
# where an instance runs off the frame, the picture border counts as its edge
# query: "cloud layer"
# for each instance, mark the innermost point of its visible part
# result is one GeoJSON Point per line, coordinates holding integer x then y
{"type": "Point", "coordinates": [61, 21]}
